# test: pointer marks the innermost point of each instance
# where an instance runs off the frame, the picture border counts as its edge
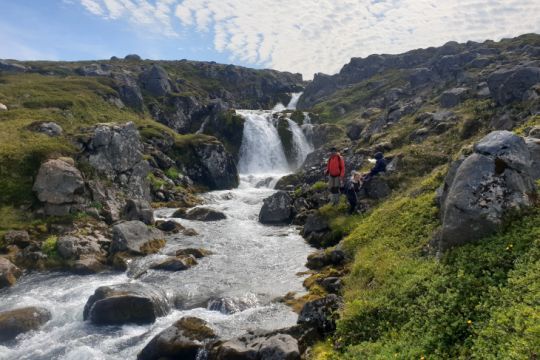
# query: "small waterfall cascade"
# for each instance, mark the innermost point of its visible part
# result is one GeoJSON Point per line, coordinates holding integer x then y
{"type": "Point", "coordinates": [262, 150]}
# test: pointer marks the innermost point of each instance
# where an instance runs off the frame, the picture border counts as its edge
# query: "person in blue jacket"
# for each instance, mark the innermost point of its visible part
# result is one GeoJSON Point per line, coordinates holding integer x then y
{"type": "Point", "coordinates": [379, 167]}
{"type": "Point", "coordinates": [358, 182]}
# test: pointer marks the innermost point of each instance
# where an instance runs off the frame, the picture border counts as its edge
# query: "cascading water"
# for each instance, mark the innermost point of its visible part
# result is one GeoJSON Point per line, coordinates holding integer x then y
{"type": "Point", "coordinates": [262, 150]}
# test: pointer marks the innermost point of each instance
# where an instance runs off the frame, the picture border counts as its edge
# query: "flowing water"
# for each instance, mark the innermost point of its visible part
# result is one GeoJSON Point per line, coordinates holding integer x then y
{"type": "Point", "coordinates": [234, 289]}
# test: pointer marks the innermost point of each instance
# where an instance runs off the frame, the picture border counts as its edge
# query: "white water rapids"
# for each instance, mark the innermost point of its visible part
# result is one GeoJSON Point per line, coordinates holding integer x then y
{"type": "Point", "coordinates": [252, 264]}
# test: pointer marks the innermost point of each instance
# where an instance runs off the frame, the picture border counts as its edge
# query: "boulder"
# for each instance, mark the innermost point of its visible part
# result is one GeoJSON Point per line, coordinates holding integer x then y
{"type": "Point", "coordinates": [321, 314]}
{"type": "Point", "coordinates": [94, 70]}
{"type": "Point", "coordinates": [155, 81]}
{"type": "Point", "coordinates": [9, 273]}
{"type": "Point", "coordinates": [136, 237]}
{"type": "Point", "coordinates": [258, 346]}
{"type": "Point", "coordinates": [141, 210]}
{"type": "Point", "coordinates": [58, 184]}
{"type": "Point", "coordinates": [72, 247]}
{"type": "Point", "coordinates": [20, 321]}
{"type": "Point", "coordinates": [116, 151]}
{"type": "Point", "coordinates": [377, 188]}
{"type": "Point", "coordinates": [454, 97]}
{"type": "Point", "coordinates": [172, 263]}
{"type": "Point", "coordinates": [169, 226]}
{"type": "Point", "coordinates": [509, 85]}
{"type": "Point", "coordinates": [19, 238]}
{"type": "Point", "coordinates": [132, 57]}
{"type": "Point", "coordinates": [201, 214]}
{"type": "Point", "coordinates": [51, 129]}
{"type": "Point", "coordinates": [87, 265]}
{"type": "Point", "coordinates": [277, 209]}
{"type": "Point", "coordinates": [126, 303]}
{"type": "Point", "coordinates": [181, 113]}
{"type": "Point", "coordinates": [3, 107]}
{"type": "Point", "coordinates": [490, 183]}
{"type": "Point", "coordinates": [322, 258]}
{"type": "Point", "coordinates": [196, 253]}
{"type": "Point", "coordinates": [183, 340]}
{"type": "Point", "coordinates": [354, 130]}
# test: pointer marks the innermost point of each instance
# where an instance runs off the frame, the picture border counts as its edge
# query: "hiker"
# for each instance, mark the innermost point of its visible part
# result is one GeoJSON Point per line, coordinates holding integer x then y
{"type": "Point", "coordinates": [379, 167]}
{"type": "Point", "coordinates": [335, 168]}
{"type": "Point", "coordinates": [351, 189]}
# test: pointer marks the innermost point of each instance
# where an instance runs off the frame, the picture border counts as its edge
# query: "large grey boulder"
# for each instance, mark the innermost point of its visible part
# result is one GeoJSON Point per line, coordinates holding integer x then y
{"type": "Point", "coordinates": [48, 128]}
{"type": "Point", "coordinates": [19, 238]}
{"type": "Point", "coordinates": [22, 320]}
{"type": "Point", "coordinates": [277, 209]}
{"type": "Point", "coordinates": [201, 214]}
{"type": "Point", "coordinates": [116, 151]}
{"type": "Point", "coordinates": [258, 346]}
{"type": "Point", "coordinates": [212, 166]}
{"type": "Point", "coordinates": [72, 247]}
{"type": "Point", "coordinates": [136, 237]}
{"type": "Point", "coordinates": [454, 97]}
{"type": "Point", "coordinates": [94, 70]}
{"type": "Point", "coordinates": [183, 340]}
{"type": "Point", "coordinates": [58, 185]}
{"type": "Point", "coordinates": [155, 81]}
{"type": "Point", "coordinates": [495, 180]}
{"type": "Point", "coordinates": [126, 303]}
{"type": "Point", "coordinates": [509, 85]}
{"type": "Point", "coordinates": [9, 273]}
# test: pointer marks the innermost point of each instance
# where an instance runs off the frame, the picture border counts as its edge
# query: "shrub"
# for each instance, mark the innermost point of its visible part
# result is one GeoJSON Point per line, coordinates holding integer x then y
{"type": "Point", "coordinates": [49, 245]}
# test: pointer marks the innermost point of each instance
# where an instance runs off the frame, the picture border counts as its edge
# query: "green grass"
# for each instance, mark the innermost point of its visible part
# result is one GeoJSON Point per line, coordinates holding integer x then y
{"type": "Point", "coordinates": [480, 301]}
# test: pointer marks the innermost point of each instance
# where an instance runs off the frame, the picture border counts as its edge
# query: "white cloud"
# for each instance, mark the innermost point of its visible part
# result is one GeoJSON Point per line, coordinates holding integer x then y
{"type": "Point", "coordinates": [311, 36]}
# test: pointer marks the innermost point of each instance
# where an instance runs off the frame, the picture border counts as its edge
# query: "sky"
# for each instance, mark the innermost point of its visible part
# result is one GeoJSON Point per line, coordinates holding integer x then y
{"type": "Point", "coordinates": [305, 36]}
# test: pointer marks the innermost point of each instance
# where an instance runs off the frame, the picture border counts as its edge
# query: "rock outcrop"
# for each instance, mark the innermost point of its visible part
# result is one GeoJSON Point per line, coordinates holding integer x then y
{"type": "Point", "coordinates": [125, 303]}
{"type": "Point", "coordinates": [321, 314]}
{"type": "Point", "coordinates": [59, 186]}
{"type": "Point", "coordinates": [200, 214]}
{"type": "Point", "coordinates": [509, 85]}
{"type": "Point", "coordinates": [72, 247]}
{"type": "Point", "coordinates": [483, 188]}
{"type": "Point", "coordinates": [155, 81]}
{"type": "Point", "coordinates": [277, 209]}
{"type": "Point", "coordinates": [20, 321]}
{"type": "Point", "coordinates": [183, 340]}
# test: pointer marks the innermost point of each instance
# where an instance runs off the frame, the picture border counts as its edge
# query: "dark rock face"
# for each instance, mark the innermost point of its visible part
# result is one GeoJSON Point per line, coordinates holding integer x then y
{"type": "Point", "coordinates": [73, 247]}
{"type": "Point", "coordinates": [454, 97]}
{"type": "Point", "coordinates": [321, 313]}
{"type": "Point", "coordinates": [323, 258]}
{"type": "Point", "coordinates": [213, 167]}
{"type": "Point", "coordinates": [136, 237]}
{"type": "Point", "coordinates": [128, 91]}
{"type": "Point", "coordinates": [183, 340]}
{"type": "Point", "coordinates": [421, 76]}
{"type": "Point", "coordinates": [377, 188]}
{"type": "Point", "coordinates": [507, 86]}
{"type": "Point", "coordinates": [125, 303]}
{"type": "Point", "coordinates": [20, 321]}
{"type": "Point", "coordinates": [155, 81]}
{"type": "Point", "coordinates": [9, 273]}
{"type": "Point", "coordinates": [277, 209]}
{"type": "Point", "coordinates": [116, 152]}
{"type": "Point", "coordinates": [172, 263]}
{"type": "Point", "coordinates": [258, 347]}
{"type": "Point", "coordinates": [181, 113]}
{"type": "Point", "coordinates": [534, 149]}
{"type": "Point", "coordinates": [58, 185]}
{"type": "Point", "coordinates": [169, 226]}
{"type": "Point", "coordinates": [483, 188]}
{"type": "Point", "coordinates": [139, 210]}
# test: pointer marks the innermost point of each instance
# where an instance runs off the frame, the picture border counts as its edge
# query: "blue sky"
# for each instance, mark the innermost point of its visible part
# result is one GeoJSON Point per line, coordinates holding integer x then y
{"type": "Point", "coordinates": [304, 36]}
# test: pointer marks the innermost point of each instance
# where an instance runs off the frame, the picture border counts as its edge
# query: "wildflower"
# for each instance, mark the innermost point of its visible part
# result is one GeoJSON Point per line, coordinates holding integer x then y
{"type": "Point", "coordinates": [469, 322]}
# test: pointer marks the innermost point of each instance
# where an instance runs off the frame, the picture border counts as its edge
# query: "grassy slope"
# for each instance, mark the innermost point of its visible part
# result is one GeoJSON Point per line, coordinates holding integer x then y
{"type": "Point", "coordinates": [480, 301]}
{"type": "Point", "coordinates": [74, 103]}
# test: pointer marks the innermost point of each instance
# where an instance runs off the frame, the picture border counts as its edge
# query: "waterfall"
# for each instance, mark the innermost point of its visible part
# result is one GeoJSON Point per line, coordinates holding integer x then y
{"type": "Point", "coordinates": [262, 150]}
{"type": "Point", "coordinates": [302, 147]}
{"type": "Point", "coordinates": [294, 100]}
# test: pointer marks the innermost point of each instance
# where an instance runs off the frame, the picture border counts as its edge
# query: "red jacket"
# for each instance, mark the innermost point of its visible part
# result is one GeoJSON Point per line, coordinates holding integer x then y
{"type": "Point", "coordinates": [336, 166]}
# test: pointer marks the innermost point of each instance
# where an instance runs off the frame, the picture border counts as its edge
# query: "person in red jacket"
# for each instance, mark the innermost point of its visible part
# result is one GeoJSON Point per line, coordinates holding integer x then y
{"type": "Point", "coordinates": [335, 168]}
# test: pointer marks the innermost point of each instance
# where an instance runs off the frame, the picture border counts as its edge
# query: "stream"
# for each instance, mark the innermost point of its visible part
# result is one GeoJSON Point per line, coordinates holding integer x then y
{"type": "Point", "coordinates": [234, 289]}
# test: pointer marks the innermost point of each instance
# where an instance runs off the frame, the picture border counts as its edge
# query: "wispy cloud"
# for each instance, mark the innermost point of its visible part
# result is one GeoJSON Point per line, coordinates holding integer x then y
{"type": "Point", "coordinates": [311, 36]}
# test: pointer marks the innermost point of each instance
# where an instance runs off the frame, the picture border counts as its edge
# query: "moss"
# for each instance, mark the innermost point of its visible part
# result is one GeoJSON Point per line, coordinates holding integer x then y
{"type": "Point", "coordinates": [49, 246]}
{"type": "Point", "coordinates": [319, 186]}
{"type": "Point", "coordinates": [152, 246]}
